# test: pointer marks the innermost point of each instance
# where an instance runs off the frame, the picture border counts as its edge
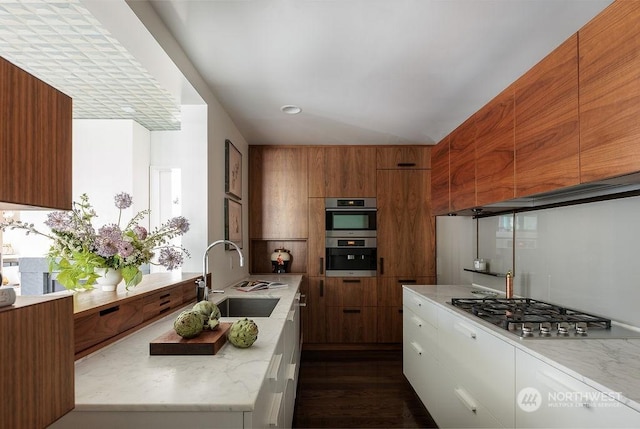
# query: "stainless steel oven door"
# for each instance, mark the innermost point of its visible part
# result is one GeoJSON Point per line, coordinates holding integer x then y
{"type": "Point", "coordinates": [350, 217]}
{"type": "Point", "coordinates": [351, 257]}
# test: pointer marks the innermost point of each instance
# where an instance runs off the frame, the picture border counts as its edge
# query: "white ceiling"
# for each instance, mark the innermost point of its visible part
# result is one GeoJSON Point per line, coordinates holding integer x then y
{"type": "Point", "coordinates": [63, 44]}
{"type": "Point", "coordinates": [363, 71]}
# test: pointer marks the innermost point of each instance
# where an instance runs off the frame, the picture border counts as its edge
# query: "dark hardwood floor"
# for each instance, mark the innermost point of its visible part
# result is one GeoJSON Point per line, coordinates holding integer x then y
{"type": "Point", "coordinates": [356, 389]}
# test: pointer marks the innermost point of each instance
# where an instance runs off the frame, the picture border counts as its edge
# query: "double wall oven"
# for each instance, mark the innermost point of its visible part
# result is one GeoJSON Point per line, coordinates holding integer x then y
{"type": "Point", "coordinates": [350, 241]}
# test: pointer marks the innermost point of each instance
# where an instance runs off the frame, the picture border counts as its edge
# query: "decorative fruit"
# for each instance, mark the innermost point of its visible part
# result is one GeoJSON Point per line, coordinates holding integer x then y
{"type": "Point", "coordinates": [243, 333]}
{"type": "Point", "coordinates": [207, 310]}
{"type": "Point", "coordinates": [212, 323]}
{"type": "Point", "coordinates": [188, 324]}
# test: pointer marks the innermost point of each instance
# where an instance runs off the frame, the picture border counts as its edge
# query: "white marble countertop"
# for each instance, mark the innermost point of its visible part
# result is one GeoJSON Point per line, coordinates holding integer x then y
{"type": "Point", "coordinates": [125, 377]}
{"type": "Point", "coordinates": [609, 365]}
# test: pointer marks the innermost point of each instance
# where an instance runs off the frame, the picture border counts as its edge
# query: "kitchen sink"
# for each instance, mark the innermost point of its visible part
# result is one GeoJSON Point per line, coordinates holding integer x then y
{"type": "Point", "coordinates": [247, 307]}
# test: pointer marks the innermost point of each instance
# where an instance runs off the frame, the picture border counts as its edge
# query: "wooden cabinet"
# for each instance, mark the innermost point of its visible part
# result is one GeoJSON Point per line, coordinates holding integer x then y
{"type": "Point", "coordinates": [440, 202]}
{"type": "Point", "coordinates": [316, 172]}
{"type": "Point", "coordinates": [351, 313]}
{"type": "Point", "coordinates": [278, 192]}
{"type": "Point", "coordinates": [100, 319]}
{"type": "Point", "coordinates": [495, 150]}
{"type": "Point", "coordinates": [350, 171]}
{"type": "Point", "coordinates": [390, 306]}
{"type": "Point", "coordinates": [316, 240]}
{"type": "Point", "coordinates": [35, 137]}
{"type": "Point", "coordinates": [394, 157]}
{"type": "Point", "coordinates": [313, 316]}
{"type": "Point", "coordinates": [609, 92]}
{"type": "Point", "coordinates": [37, 376]}
{"type": "Point", "coordinates": [96, 327]}
{"type": "Point", "coordinates": [462, 165]}
{"type": "Point", "coordinates": [406, 227]}
{"type": "Point", "coordinates": [547, 135]}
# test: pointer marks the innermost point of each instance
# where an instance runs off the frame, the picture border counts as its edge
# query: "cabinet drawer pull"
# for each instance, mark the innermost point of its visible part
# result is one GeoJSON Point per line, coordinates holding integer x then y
{"type": "Point", "coordinates": [418, 302]}
{"type": "Point", "coordinates": [109, 310]}
{"type": "Point", "coordinates": [381, 265]}
{"type": "Point", "coordinates": [406, 164]}
{"type": "Point", "coordinates": [275, 409]}
{"type": "Point", "coordinates": [416, 347]}
{"type": "Point", "coordinates": [400, 311]}
{"type": "Point", "coordinates": [350, 310]}
{"type": "Point", "coordinates": [164, 310]}
{"type": "Point", "coordinates": [351, 281]}
{"type": "Point", "coordinates": [321, 288]}
{"type": "Point", "coordinates": [465, 330]}
{"type": "Point", "coordinates": [321, 265]}
{"type": "Point", "coordinates": [556, 384]}
{"type": "Point", "coordinates": [291, 315]}
{"type": "Point", "coordinates": [407, 281]}
{"type": "Point", "coordinates": [291, 371]}
{"type": "Point", "coordinates": [165, 303]}
{"type": "Point", "coordinates": [417, 321]}
{"type": "Point", "coordinates": [466, 400]}
{"type": "Point", "coordinates": [274, 368]}
{"type": "Point", "coordinates": [166, 295]}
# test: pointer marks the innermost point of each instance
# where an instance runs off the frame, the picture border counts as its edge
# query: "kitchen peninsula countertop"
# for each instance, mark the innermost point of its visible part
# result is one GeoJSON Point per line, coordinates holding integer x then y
{"type": "Point", "coordinates": [125, 377]}
{"type": "Point", "coordinates": [608, 365]}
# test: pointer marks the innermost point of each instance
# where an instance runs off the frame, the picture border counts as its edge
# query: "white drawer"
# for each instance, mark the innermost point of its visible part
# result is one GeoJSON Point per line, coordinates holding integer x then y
{"type": "Point", "coordinates": [421, 306]}
{"type": "Point", "coordinates": [555, 399]}
{"type": "Point", "coordinates": [416, 328]}
{"type": "Point", "coordinates": [421, 369]}
{"type": "Point", "coordinates": [484, 362]}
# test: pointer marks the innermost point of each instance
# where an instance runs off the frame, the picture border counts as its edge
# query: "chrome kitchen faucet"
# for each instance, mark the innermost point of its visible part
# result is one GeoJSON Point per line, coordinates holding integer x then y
{"type": "Point", "coordinates": [202, 283]}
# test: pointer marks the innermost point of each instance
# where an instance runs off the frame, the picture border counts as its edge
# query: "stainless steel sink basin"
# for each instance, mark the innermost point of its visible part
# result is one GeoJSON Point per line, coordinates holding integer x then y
{"type": "Point", "coordinates": [247, 307]}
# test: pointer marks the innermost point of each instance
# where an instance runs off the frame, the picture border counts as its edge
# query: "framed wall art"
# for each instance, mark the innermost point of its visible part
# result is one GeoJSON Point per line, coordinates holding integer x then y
{"type": "Point", "coordinates": [233, 170]}
{"type": "Point", "coordinates": [233, 221]}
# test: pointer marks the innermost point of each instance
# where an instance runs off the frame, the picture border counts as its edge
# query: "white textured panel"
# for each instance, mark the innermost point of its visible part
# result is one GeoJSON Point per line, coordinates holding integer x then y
{"type": "Point", "coordinates": [61, 43]}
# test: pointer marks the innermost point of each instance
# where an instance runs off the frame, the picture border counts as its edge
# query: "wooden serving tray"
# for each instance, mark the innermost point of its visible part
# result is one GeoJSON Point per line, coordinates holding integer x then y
{"type": "Point", "coordinates": [207, 343]}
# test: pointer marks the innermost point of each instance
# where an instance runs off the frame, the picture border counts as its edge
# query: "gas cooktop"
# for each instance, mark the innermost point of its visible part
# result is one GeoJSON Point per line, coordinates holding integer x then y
{"type": "Point", "coordinates": [529, 318]}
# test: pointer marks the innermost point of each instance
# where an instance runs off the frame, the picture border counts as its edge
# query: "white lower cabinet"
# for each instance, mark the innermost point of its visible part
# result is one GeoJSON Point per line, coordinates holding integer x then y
{"type": "Point", "coordinates": [467, 376]}
{"type": "Point", "coordinates": [549, 398]}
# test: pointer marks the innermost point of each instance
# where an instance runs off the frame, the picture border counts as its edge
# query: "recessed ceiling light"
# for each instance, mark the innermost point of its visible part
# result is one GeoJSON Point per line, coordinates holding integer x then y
{"type": "Point", "coordinates": [290, 109]}
{"type": "Point", "coordinates": [129, 109]}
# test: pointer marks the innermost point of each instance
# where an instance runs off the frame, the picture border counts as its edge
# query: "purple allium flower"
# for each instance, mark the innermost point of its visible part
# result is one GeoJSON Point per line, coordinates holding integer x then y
{"type": "Point", "coordinates": [108, 240]}
{"type": "Point", "coordinates": [125, 249]}
{"type": "Point", "coordinates": [140, 232]}
{"type": "Point", "coordinates": [180, 223]}
{"type": "Point", "coordinates": [170, 258]}
{"type": "Point", "coordinates": [59, 221]}
{"type": "Point", "coordinates": [123, 200]}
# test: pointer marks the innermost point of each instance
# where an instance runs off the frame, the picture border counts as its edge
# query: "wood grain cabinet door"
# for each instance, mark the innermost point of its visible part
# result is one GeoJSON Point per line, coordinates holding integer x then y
{"type": "Point", "coordinates": [462, 164]}
{"type": "Point", "coordinates": [278, 192]}
{"type": "Point", "coordinates": [406, 226]}
{"type": "Point", "coordinates": [406, 156]}
{"type": "Point", "coordinates": [495, 150]}
{"type": "Point", "coordinates": [610, 93]}
{"type": "Point", "coordinates": [313, 314]}
{"type": "Point", "coordinates": [547, 138]}
{"type": "Point", "coordinates": [35, 140]}
{"type": "Point", "coordinates": [440, 202]}
{"type": "Point", "coordinates": [350, 171]}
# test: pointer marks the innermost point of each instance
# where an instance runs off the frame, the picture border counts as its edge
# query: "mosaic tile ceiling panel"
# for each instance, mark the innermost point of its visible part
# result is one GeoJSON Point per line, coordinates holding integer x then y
{"type": "Point", "coordinates": [61, 43]}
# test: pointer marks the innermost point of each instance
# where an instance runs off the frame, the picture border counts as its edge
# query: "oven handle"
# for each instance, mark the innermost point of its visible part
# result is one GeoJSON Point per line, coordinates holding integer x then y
{"type": "Point", "coordinates": [351, 209]}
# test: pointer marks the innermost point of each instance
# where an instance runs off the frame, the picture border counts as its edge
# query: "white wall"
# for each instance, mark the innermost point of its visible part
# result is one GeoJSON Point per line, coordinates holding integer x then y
{"type": "Point", "coordinates": [584, 256]}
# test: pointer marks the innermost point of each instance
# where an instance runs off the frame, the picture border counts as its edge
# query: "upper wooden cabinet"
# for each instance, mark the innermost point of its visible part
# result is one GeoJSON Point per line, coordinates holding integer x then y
{"type": "Point", "coordinates": [495, 150]}
{"type": "Point", "coordinates": [440, 178]}
{"type": "Point", "coordinates": [406, 227]}
{"type": "Point", "coordinates": [609, 92]}
{"type": "Point", "coordinates": [316, 172]}
{"type": "Point", "coordinates": [35, 136]}
{"type": "Point", "coordinates": [401, 157]}
{"type": "Point", "coordinates": [278, 192]}
{"type": "Point", "coordinates": [350, 171]}
{"type": "Point", "coordinates": [547, 123]}
{"type": "Point", "coordinates": [462, 165]}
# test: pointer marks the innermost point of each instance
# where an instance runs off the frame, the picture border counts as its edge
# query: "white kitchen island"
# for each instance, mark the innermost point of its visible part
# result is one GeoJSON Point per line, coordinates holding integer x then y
{"type": "Point", "coordinates": [123, 386]}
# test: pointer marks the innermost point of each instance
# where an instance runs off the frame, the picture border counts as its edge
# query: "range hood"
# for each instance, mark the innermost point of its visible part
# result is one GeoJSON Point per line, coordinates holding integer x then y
{"type": "Point", "coordinates": [617, 187]}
